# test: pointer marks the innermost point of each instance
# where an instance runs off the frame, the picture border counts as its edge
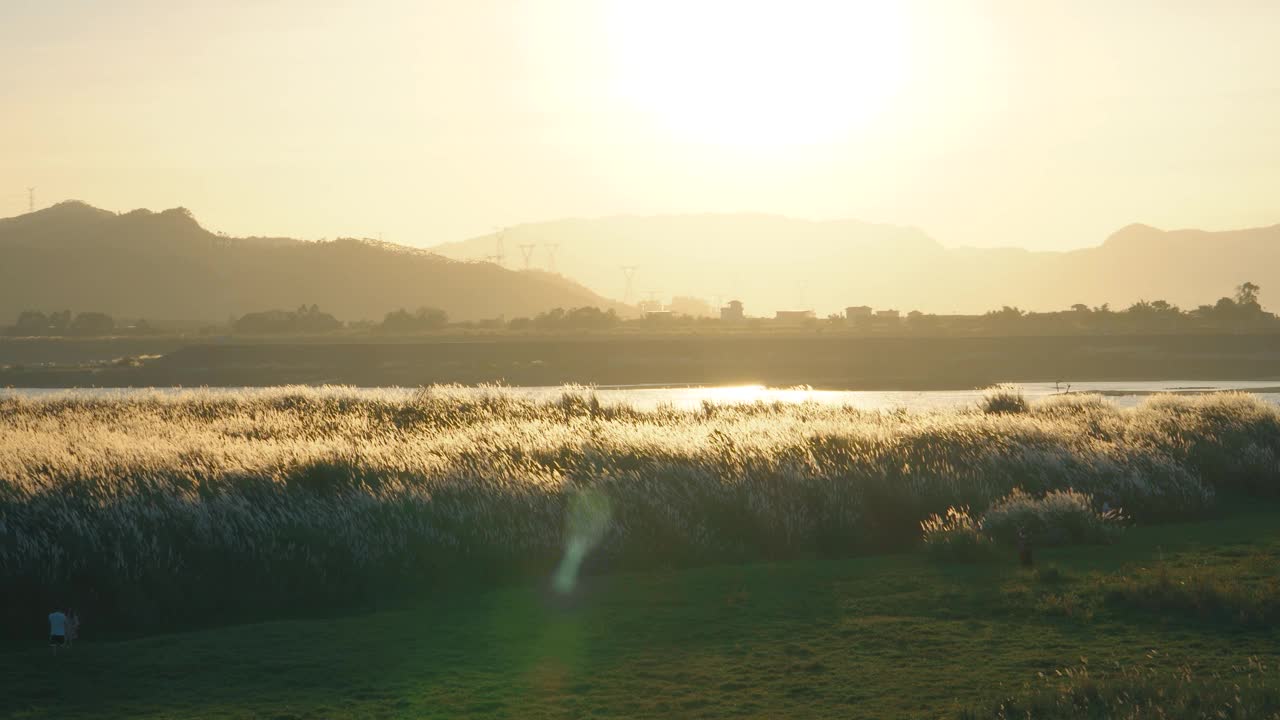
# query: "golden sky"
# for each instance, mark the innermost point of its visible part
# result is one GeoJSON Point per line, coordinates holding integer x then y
{"type": "Point", "coordinates": [983, 122]}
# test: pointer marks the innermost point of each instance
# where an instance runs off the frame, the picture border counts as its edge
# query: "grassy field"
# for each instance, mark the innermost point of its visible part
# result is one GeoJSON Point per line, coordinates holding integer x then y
{"type": "Point", "coordinates": [158, 510]}
{"type": "Point", "coordinates": [877, 637]}
{"type": "Point", "coordinates": [401, 557]}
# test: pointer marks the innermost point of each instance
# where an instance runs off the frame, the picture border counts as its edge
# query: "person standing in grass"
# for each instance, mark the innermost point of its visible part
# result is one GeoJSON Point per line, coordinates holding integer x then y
{"type": "Point", "coordinates": [57, 630]}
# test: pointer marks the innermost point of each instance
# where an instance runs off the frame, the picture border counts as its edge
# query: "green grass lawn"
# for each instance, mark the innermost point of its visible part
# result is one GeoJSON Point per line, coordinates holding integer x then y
{"type": "Point", "coordinates": [890, 636]}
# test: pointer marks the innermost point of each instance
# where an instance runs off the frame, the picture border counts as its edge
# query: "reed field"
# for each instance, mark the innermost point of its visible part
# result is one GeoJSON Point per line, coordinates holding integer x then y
{"type": "Point", "coordinates": [178, 505]}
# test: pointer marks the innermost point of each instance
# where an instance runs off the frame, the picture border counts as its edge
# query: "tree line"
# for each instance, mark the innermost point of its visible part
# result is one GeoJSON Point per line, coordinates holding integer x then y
{"type": "Point", "coordinates": [61, 323]}
{"type": "Point", "coordinates": [310, 319]}
{"type": "Point", "coordinates": [1242, 311]}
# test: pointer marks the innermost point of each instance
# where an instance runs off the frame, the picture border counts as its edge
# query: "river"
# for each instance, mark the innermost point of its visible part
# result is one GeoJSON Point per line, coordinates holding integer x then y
{"type": "Point", "coordinates": [1122, 393]}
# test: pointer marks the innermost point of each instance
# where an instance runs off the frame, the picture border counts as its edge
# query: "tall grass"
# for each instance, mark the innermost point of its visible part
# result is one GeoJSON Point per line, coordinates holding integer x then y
{"type": "Point", "coordinates": [1058, 517]}
{"type": "Point", "coordinates": [190, 503]}
{"type": "Point", "coordinates": [1136, 692]}
{"type": "Point", "coordinates": [1003, 399]}
{"type": "Point", "coordinates": [956, 536]}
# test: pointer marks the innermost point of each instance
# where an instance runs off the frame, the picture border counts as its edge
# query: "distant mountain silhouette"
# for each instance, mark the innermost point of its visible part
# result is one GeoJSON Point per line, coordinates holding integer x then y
{"type": "Point", "coordinates": [165, 266]}
{"type": "Point", "coordinates": [774, 263]}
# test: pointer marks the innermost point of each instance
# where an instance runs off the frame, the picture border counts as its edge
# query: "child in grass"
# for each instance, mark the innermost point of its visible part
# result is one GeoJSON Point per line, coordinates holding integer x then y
{"type": "Point", "coordinates": [57, 630]}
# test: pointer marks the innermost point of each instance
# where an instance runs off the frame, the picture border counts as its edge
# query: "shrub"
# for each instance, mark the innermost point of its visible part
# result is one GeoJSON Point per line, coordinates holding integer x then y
{"type": "Point", "coordinates": [955, 535]}
{"type": "Point", "coordinates": [1059, 517]}
{"type": "Point", "coordinates": [1003, 399]}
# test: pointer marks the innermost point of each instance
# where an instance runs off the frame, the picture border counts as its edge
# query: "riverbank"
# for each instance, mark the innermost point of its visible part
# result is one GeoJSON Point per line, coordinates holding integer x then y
{"type": "Point", "coordinates": [828, 362]}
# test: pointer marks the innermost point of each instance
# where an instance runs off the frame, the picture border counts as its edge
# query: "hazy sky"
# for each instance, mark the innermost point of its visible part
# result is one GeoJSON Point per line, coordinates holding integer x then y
{"type": "Point", "coordinates": [984, 122]}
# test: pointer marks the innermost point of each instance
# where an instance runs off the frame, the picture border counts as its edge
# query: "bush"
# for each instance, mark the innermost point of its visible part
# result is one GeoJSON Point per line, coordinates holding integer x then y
{"type": "Point", "coordinates": [1003, 399]}
{"type": "Point", "coordinates": [955, 536]}
{"type": "Point", "coordinates": [1059, 517]}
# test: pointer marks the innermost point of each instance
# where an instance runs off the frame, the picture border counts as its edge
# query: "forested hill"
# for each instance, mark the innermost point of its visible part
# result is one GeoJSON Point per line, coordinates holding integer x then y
{"type": "Point", "coordinates": [165, 266]}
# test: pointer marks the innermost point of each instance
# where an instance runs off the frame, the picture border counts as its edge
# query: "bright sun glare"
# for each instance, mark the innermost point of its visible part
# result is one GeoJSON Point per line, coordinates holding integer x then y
{"type": "Point", "coordinates": [758, 72]}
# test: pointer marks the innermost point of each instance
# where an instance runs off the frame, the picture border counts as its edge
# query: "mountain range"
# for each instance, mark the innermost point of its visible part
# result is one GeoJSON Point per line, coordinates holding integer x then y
{"type": "Point", "coordinates": [164, 266]}
{"type": "Point", "coordinates": [773, 263]}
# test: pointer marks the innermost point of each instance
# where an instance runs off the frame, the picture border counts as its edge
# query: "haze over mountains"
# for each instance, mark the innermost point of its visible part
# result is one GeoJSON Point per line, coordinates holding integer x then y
{"type": "Point", "coordinates": [774, 263]}
{"type": "Point", "coordinates": [165, 266]}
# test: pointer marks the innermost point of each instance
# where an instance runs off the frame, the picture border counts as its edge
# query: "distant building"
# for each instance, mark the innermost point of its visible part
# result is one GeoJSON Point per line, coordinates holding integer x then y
{"type": "Point", "coordinates": [732, 311]}
{"type": "Point", "coordinates": [648, 306]}
{"type": "Point", "coordinates": [658, 314]}
{"type": "Point", "coordinates": [794, 315]}
{"type": "Point", "coordinates": [888, 314]}
{"type": "Point", "coordinates": [857, 312]}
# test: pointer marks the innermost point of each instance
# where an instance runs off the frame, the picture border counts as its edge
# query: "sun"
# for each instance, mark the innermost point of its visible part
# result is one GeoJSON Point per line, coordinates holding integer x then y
{"type": "Point", "coordinates": [758, 72]}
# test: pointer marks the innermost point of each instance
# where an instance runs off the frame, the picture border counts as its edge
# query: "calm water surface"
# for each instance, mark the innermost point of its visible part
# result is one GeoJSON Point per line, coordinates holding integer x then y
{"type": "Point", "coordinates": [1124, 393]}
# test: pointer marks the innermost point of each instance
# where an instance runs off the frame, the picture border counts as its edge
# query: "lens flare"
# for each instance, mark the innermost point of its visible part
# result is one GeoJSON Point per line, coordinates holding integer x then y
{"type": "Point", "coordinates": [586, 521]}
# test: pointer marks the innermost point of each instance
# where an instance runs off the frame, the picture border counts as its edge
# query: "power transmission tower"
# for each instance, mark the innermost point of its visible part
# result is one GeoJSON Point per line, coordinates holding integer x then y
{"type": "Point", "coordinates": [551, 255]}
{"type": "Point", "coordinates": [527, 251]}
{"type": "Point", "coordinates": [500, 253]}
{"type": "Point", "coordinates": [31, 199]}
{"type": "Point", "coordinates": [629, 272]}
